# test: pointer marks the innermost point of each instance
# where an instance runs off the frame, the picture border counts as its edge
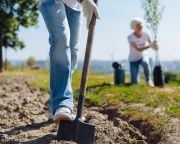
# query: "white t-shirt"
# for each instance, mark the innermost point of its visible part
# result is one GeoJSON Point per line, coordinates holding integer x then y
{"type": "Point", "coordinates": [135, 55]}
{"type": "Point", "coordinates": [74, 4]}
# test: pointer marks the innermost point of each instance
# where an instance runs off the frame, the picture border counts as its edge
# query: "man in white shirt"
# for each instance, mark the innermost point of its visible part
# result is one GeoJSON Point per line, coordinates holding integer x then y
{"type": "Point", "coordinates": [63, 21]}
{"type": "Point", "coordinates": [139, 42]}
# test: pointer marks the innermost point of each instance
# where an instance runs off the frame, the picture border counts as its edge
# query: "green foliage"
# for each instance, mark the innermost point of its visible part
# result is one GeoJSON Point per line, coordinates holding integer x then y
{"type": "Point", "coordinates": [131, 139]}
{"type": "Point", "coordinates": [160, 125]}
{"type": "Point", "coordinates": [41, 79]}
{"type": "Point", "coordinates": [13, 15]}
{"type": "Point", "coordinates": [174, 110]}
{"type": "Point", "coordinates": [8, 65]}
{"type": "Point", "coordinates": [22, 109]}
{"type": "Point", "coordinates": [152, 97]}
{"type": "Point", "coordinates": [31, 61]}
{"type": "Point", "coordinates": [153, 14]}
{"type": "Point", "coordinates": [171, 77]}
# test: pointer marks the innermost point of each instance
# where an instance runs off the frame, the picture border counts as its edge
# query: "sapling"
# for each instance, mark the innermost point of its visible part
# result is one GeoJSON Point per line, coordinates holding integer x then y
{"type": "Point", "coordinates": [153, 10]}
{"type": "Point", "coordinates": [153, 14]}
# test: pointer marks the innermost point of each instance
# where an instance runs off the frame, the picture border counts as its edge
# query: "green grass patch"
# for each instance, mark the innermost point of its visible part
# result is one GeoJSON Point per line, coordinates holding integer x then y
{"type": "Point", "coordinates": [41, 79]}
{"type": "Point", "coordinates": [101, 91]}
{"type": "Point", "coordinates": [174, 110]}
{"type": "Point", "coordinates": [153, 97]}
{"type": "Point", "coordinates": [131, 139]}
{"type": "Point", "coordinates": [158, 124]}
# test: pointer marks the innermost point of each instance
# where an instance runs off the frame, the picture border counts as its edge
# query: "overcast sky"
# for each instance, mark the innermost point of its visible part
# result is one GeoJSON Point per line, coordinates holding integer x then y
{"type": "Point", "coordinates": [111, 33]}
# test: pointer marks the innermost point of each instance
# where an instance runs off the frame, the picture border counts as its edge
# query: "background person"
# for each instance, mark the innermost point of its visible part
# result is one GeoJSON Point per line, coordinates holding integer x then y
{"type": "Point", "coordinates": [139, 42]}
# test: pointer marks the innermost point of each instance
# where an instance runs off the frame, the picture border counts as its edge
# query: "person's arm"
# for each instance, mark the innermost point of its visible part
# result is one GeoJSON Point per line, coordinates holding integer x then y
{"type": "Point", "coordinates": [138, 48]}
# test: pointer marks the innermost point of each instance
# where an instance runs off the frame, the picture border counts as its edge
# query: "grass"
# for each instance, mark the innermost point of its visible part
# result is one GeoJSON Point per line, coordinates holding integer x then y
{"type": "Point", "coordinates": [173, 110]}
{"type": "Point", "coordinates": [172, 78]}
{"type": "Point", "coordinates": [153, 97]}
{"type": "Point", "coordinates": [100, 91]}
{"type": "Point", "coordinates": [131, 139]}
{"type": "Point", "coordinates": [158, 124]}
{"type": "Point", "coordinates": [41, 77]}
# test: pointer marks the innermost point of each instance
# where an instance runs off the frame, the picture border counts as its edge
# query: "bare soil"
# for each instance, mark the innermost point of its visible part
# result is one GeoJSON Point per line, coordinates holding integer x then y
{"type": "Point", "coordinates": [23, 118]}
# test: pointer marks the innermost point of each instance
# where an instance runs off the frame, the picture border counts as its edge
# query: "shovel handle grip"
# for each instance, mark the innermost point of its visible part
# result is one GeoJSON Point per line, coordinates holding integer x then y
{"type": "Point", "coordinates": [86, 66]}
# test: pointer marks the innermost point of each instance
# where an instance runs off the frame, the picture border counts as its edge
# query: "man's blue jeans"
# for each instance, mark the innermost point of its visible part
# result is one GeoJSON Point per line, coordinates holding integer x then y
{"type": "Point", "coordinates": [63, 24]}
{"type": "Point", "coordinates": [134, 70]}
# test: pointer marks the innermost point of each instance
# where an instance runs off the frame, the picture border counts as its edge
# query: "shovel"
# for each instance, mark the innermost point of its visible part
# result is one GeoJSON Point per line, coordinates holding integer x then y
{"type": "Point", "coordinates": [77, 130]}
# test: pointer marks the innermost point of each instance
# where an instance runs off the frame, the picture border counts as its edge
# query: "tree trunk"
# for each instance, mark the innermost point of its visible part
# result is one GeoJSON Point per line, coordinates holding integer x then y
{"type": "Point", "coordinates": [1, 54]}
{"type": "Point", "coordinates": [5, 60]}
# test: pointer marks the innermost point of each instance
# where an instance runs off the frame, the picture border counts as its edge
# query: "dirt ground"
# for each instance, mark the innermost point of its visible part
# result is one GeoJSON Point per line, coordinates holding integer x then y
{"type": "Point", "coordinates": [23, 118]}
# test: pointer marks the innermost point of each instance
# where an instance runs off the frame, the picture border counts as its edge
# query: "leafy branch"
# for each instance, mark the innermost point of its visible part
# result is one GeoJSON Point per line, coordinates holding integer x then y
{"type": "Point", "coordinates": [153, 14]}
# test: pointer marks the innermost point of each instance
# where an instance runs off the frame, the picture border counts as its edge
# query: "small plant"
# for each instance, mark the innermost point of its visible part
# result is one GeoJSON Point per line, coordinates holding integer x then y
{"type": "Point", "coordinates": [153, 14]}
{"type": "Point", "coordinates": [31, 61]}
{"type": "Point", "coordinates": [22, 109]}
{"type": "Point", "coordinates": [131, 139]}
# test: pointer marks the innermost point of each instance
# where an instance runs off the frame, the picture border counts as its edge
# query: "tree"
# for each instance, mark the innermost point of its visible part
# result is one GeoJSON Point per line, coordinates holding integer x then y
{"type": "Point", "coordinates": [153, 14]}
{"type": "Point", "coordinates": [31, 62]}
{"type": "Point", "coordinates": [13, 15]}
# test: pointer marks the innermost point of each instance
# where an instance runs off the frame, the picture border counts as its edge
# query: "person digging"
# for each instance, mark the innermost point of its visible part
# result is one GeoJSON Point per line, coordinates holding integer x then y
{"type": "Point", "coordinates": [63, 21]}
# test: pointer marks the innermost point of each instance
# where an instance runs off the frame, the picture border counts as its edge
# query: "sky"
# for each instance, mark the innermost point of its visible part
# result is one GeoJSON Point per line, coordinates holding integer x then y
{"type": "Point", "coordinates": [110, 41]}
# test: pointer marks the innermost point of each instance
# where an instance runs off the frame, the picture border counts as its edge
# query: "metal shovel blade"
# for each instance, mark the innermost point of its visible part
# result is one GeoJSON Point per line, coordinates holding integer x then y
{"type": "Point", "coordinates": [77, 131]}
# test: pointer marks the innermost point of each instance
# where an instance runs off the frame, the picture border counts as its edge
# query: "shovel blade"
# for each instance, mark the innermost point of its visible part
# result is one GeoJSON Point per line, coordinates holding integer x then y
{"type": "Point", "coordinates": [77, 131]}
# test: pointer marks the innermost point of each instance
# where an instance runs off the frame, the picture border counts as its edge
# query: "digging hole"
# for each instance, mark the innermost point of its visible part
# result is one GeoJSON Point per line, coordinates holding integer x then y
{"type": "Point", "coordinates": [143, 126]}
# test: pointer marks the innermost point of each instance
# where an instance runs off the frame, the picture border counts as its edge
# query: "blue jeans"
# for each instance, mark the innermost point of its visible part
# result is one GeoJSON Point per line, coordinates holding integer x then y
{"type": "Point", "coordinates": [63, 24]}
{"type": "Point", "coordinates": [134, 70]}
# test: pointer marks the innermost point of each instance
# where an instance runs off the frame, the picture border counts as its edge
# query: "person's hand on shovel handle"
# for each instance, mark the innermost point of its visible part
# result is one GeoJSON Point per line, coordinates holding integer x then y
{"type": "Point", "coordinates": [89, 8]}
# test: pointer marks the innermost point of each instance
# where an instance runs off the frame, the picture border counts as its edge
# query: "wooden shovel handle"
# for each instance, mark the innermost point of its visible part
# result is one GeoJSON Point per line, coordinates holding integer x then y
{"type": "Point", "coordinates": [86, 65]}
